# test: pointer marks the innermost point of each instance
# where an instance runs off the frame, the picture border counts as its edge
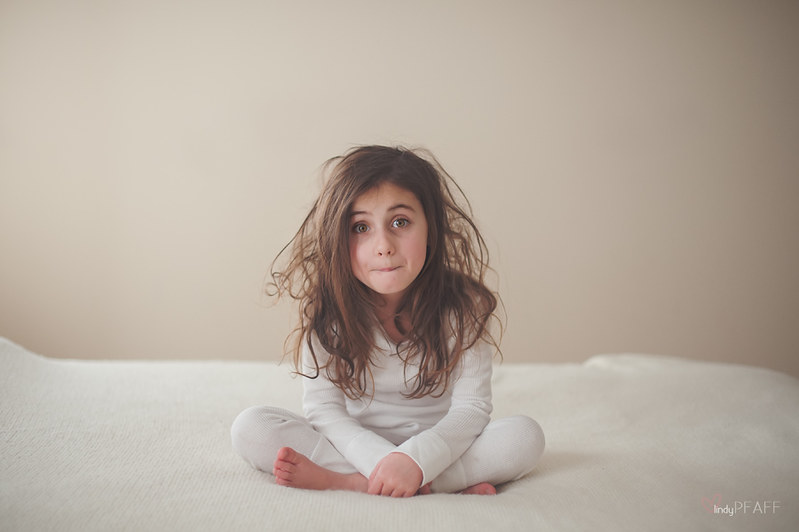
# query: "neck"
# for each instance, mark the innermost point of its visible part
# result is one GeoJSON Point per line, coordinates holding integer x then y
{"type": "Point", "coordinates": [386, 306]}
{"type": "Point", "coordinates": [389, 318]}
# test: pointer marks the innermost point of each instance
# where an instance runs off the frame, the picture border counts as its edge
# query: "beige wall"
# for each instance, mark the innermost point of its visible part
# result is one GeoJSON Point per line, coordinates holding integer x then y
{"type": "Point", "coordinates": [634, 165]}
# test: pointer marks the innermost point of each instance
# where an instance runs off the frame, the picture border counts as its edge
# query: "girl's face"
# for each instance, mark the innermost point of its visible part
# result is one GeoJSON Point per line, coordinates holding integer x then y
{"type": "Point", "coordinates": [388, 240]}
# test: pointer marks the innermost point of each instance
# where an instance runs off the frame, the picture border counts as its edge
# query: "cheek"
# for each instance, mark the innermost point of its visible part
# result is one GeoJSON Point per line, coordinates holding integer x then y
{"type": "Point", "coordinates": [355, 252]}
{"type": "Point", "coordinates": [420, 249]}
{"type": "Point", "coordinates": [424, 242]}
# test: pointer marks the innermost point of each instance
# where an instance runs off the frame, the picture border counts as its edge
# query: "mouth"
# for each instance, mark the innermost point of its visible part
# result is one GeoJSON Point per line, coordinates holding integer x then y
{"type": "Point", "coordinates": [387, 270]}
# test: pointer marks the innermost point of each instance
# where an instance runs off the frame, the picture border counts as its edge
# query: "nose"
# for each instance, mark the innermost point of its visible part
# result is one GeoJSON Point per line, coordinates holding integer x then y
{"type": "Point", "coordinates": [384, 246]}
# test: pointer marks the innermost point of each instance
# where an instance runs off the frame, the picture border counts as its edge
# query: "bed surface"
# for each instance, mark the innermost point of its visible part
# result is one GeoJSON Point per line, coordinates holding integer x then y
{"type": "Point", "coordinates": [633, 443]}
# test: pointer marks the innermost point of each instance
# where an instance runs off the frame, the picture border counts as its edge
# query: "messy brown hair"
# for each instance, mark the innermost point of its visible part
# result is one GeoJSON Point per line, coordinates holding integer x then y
{"type": "Point", "coordinates": [449, 306]}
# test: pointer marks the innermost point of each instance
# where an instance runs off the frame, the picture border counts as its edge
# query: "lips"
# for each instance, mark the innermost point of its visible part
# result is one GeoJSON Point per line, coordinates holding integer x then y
{"type": "Point", "coordinates": [387, 270]}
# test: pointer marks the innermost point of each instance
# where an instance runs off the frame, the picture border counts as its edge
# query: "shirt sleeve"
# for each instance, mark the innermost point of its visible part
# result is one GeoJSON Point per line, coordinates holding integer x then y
{"type": "Point", "coordinates": [325, 407]}
{"type": "Point", "coordinates": [436, 448]}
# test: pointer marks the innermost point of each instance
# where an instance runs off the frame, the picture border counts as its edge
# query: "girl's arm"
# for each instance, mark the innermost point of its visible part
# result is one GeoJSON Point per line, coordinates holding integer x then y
{"type": "Point", "coordinates": [437, 448]}
{"type": "Point", "coordinates": [325, 407]}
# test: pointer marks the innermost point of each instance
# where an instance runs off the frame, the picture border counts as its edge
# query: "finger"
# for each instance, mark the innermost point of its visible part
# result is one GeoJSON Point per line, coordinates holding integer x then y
{"type": "Point", "coordinates": [375, 488]}
{"type": "Point", "coordinates": [405, 494]}
{"type": "Point", "coordinates": [400, 492]}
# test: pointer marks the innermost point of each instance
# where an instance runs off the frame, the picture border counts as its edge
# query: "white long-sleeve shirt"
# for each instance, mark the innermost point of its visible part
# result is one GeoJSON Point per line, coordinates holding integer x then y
{"type": "Point", "coordinates": [433, 431]}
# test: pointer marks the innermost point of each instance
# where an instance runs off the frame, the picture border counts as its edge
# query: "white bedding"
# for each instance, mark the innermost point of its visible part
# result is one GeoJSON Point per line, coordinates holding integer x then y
{"type": "Point", "coordinates": [633, 443]}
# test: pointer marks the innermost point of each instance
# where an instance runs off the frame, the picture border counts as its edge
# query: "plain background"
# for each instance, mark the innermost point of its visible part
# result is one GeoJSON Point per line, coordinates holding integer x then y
{"type": "Point", "coordinates": [634, 165]}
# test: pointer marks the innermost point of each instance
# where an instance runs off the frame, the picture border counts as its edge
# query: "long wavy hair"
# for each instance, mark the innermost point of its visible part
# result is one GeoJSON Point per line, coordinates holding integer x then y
{"type": "Point", "coordinates": [448, 306]}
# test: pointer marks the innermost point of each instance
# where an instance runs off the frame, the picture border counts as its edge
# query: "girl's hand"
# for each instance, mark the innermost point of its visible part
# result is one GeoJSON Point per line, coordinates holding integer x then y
{"type": "Point", "coordinates": [396, 475]}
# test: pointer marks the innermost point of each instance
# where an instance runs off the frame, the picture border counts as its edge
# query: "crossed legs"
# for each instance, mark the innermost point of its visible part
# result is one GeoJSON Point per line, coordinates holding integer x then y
{"type": "Point", "coordinates": [278, 441]}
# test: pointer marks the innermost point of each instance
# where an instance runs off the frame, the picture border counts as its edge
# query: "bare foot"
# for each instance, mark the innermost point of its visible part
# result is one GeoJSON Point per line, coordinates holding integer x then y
{"type": "Point", "coordinates": [484, 488]}
{"type": "Point", "coordinates": [297, 471]}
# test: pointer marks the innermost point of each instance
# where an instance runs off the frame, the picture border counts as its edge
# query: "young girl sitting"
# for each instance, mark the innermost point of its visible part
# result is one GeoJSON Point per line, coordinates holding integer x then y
{"type": "Point", "coordinates": [393, 339]}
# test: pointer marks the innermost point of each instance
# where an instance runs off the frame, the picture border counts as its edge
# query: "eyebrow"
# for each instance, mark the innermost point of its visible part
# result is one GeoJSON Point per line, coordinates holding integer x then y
{"type": "Point", "coordinates": [398, 206]}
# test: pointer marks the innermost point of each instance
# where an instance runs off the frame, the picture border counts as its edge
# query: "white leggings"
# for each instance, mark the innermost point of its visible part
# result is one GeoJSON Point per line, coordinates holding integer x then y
{"type": "Point", "coordinates": [508, 448]}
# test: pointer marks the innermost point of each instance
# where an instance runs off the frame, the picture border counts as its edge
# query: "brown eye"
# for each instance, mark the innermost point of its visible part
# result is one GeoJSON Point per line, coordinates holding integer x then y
{"type": "Point", "coordinates": [400, 223]}
{"type": "Point", "coordinates": [360, 228]}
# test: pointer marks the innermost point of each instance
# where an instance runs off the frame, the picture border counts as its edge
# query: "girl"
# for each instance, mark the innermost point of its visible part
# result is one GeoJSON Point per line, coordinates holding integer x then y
{"type": "Point", "coordinates": [393, 339]}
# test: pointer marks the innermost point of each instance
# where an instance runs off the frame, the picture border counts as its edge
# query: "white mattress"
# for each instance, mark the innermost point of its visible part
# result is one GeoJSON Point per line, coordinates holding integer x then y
{"type": "Point", "coordinates": [633, 443]}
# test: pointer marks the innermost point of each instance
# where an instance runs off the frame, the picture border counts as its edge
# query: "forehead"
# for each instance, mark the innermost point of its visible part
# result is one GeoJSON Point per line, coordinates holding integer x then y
{"type": "Point", "coordinates": [385, 196]}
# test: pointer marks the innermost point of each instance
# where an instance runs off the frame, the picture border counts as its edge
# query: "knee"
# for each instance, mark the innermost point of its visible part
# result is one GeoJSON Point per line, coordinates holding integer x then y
{"type": "Point", "coordinates": [245, 423]}
{"type": "Point", "coordinates": [251, 435]}
{"type": "Point", "coordinates": [532, 438]}
{"type": "Point", "coordinates": [245, 429]}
